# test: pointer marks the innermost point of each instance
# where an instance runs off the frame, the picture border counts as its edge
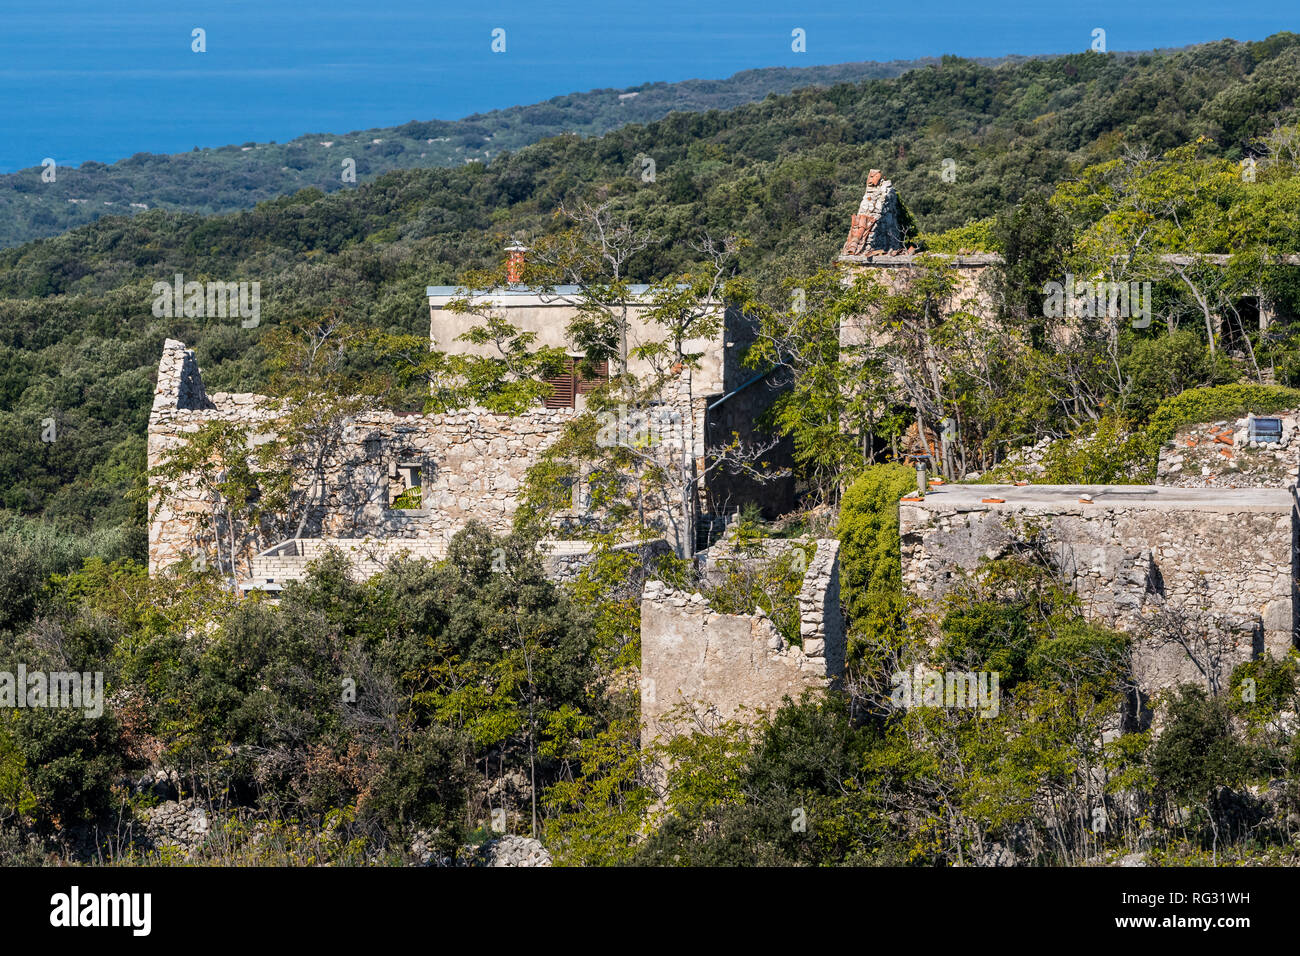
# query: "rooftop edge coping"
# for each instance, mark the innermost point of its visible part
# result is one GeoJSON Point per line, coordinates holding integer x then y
{"type": "Point", "coordinates": [1106, 497]}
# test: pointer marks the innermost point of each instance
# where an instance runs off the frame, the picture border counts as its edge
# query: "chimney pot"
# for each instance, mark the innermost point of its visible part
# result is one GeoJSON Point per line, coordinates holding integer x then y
{"type": "Point", "coordinates": [515, 262]}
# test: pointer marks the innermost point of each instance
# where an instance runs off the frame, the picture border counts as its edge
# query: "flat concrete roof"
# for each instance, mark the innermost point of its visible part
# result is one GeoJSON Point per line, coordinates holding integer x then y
{"type": "Point", "coordinates": [455, 291]}
{"type": "Point", "coordinates": [956, 497]}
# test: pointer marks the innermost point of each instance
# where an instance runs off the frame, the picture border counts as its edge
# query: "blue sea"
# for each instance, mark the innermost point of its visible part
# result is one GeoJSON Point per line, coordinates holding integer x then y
{"type": "Point", "coordinates": [102, 79]}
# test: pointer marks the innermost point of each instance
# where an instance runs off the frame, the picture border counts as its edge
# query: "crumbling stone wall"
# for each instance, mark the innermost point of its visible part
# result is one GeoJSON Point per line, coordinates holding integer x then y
{"type": "Point", "coordinates": [473, 464]}
{"type": "Point", "coordinates": [717, 561]}
{"type": "Point", "coordinates": [1212, 569]}
{"type": "Point", "coordinates": [181, 406]}
{"type": "Point", "coordinates": [564, 561]}
{"type": "Point", "coordinates": [179, 383]}
{"type": "Point", "coordinates": [735, 665]}
{"type": "Point", "coordinates": [288, 561]}
{"type": "Point", "coordinates": [821, 618]}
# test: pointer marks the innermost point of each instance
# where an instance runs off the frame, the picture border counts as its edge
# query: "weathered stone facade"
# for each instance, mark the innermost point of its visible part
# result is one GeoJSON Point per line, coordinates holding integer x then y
{"type": "Point", "coordinates": [546, 314]}
{"type": "Point", "coordinates": [465, 465]}
{"type": "Point", "coordinates": [1206, 574]}
{"type": "Point", "coordinates": [719, 401]}
{"type": "Point", "coordinates": [896, 271]}
{"type": "Point", "coordinates": [180, 407]}
{"type": "Point", "coordinates": [471, 466]}
{"type": "Point", "coordinates": [735, 665]}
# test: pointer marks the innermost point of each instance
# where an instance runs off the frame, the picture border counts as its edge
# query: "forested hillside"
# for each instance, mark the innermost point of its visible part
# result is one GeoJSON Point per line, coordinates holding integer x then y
{"type": "Point", "coordinates": [78, 342]}
{"type": "Point", "coordinates": [388, 720]}
{"type": "Point", "coordinates": [234, 177]}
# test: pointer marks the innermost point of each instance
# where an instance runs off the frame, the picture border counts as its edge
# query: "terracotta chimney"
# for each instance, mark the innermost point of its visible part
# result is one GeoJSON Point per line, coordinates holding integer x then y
{"type": "Point", "coordinates": [515, 262]}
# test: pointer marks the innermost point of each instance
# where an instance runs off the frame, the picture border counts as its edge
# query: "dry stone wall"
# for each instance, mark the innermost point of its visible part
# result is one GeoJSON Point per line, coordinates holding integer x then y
{"type": "Point", "coordinates": [1210, 572]}
{"type": "Point", "coordinates": [179, 824]}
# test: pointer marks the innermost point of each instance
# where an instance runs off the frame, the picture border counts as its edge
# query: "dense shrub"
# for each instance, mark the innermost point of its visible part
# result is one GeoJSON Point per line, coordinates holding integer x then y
{"type": "Point", "coordinates": [1198, 753]}
{"type": "Point", "coordinates": [868, 533]}
{"type": "Point", "coordinates": [1167, 365]}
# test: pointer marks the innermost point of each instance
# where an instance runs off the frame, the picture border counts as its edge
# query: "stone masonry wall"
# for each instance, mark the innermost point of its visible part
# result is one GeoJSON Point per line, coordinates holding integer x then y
{"type": "Point", "coordinates": [180, 407]}
{"type": "Point", "coordinates": [564, 561]}
{"type": "Point", "coordinates": [179, 383]}
{"type": "Point", "coordinates": [1216, 571]}
{"type": "Point", "coordinates": [369, 556]}
{"type": "Point", "coordinates": [735, 665]}
{"type": "Point", "coordinates": [473, 464]}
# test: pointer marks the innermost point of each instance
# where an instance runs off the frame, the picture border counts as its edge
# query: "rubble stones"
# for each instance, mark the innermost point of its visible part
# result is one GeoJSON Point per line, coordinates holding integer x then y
{"type": "Point", "coordinates": [507, 850]}
{"type": "Point", "coordinates": [177, 823]}
{"type": "Point", "coordinates": [1222, 454]}
{"type": "Point", "coordinates": [513, 850]}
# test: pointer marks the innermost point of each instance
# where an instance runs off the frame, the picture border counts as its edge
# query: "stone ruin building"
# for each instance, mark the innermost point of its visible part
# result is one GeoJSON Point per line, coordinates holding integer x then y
{"type": "Point", "coordinates": [467, 465]}
{"type": "Point", "coordinates": [401, 482]}
{"type": "Point", "coordinates": [1202, 564]}
{"type": "Point", "coordinates": [877, 246]}
{"type": "Point", "coordinates": [1207, 577]}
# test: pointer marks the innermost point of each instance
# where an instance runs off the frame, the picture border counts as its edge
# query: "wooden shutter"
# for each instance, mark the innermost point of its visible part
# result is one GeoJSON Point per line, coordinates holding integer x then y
{"type": "Point", "coordinates": [562, 390]}
{"type": "Point", "coordinates": [567, 387]}
{"type": "Point", "coordinates": [586, 385]}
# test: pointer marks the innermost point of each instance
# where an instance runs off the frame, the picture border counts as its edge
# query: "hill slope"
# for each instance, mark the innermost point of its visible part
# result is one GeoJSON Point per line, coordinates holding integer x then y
{"type": "Point", "coordinates": [237, 177]}
{"type": "Point", "coordinates": [78, 342]}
